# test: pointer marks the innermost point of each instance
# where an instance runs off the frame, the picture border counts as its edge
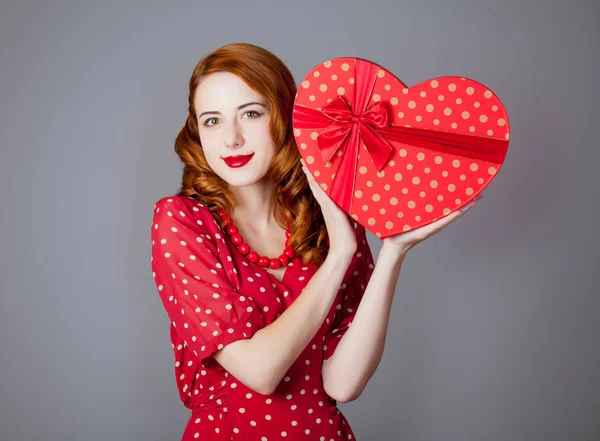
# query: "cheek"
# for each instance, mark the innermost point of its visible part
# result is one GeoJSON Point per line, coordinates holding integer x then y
{"type": "Point", "coordinates": [263, 134]}
{"type": "Point", "coordinates": [210, 147]}
{"type": "Point", "coordinates": [208, 140]}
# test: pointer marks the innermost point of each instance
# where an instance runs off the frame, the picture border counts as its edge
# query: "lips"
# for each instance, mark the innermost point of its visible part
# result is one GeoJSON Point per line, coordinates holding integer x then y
{"type": "Point", "coordinates": [237, 160]}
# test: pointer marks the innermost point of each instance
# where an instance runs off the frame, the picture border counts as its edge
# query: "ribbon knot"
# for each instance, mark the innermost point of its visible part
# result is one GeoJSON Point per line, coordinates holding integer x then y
{"type": "Point", "coordinates": [346, 127]}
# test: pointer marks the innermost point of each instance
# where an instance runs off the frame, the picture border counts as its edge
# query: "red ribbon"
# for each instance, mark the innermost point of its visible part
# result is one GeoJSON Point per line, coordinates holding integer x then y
{"type": "Point", "coordinates": [345, 126]}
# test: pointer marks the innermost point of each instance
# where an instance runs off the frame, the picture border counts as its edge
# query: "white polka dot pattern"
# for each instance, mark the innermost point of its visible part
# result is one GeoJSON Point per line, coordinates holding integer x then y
{"type": "Point", "coordinates": [213, 296]}
{"type": "Point", "coordinates": [204, 308]}
{"type": "Point", "coordinates": [417, 185]}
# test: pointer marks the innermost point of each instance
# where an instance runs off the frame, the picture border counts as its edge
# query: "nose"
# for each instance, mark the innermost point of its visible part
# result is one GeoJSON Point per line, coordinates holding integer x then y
{"type": "Point", "coordinates": [233, 136]}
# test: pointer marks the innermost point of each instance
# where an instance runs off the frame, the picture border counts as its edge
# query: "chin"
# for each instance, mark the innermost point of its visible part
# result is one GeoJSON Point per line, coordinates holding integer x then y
{"type": "Point", "coordinates": [240, 179]}
{"type": "Point", "coordinates": [240, 182]}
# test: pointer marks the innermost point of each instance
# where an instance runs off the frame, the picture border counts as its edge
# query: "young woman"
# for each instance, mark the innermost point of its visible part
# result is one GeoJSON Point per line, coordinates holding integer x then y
{"type": "Point", "coordinates": [260, 272]}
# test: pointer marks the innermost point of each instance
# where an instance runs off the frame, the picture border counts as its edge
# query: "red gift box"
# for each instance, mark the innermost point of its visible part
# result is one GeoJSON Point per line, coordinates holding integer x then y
{"type": "Point", "coordinates": [396, 158]}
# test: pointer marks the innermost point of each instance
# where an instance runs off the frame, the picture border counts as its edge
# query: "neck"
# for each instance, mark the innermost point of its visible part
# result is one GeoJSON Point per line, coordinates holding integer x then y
{"type": "Point", "coordinates": [254, 206]}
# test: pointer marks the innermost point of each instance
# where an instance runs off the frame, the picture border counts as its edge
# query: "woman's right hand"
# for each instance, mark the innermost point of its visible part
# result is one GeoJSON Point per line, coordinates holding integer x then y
{"type": "Point", "coordinates": [342, 235]}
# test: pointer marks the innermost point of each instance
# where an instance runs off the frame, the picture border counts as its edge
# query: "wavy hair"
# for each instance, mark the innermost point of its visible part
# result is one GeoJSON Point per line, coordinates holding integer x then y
{"type": "Point", "coordinates": [293, 199]}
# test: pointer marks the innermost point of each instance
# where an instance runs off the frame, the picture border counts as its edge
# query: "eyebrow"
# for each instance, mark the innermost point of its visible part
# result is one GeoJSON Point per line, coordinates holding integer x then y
{"type": "Point", "coordinates": [214, 112]}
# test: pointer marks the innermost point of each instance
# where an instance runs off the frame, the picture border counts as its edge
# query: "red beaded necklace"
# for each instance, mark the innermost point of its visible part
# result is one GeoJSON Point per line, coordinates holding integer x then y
{"type": "Point", "coordinates": [253, 256]}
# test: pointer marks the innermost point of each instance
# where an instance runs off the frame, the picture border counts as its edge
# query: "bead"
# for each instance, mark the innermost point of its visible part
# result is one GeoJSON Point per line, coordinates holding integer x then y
{"type": "Point", "coordinates": [224, 217]}
{"type": "Point", "coordinates": [253, 256]}
{"type": "Point", "coordinates": [244, 248]}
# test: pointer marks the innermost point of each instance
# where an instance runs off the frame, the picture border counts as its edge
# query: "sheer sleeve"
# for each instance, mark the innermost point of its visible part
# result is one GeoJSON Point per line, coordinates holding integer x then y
{"type": "Point", "coordinates": [205, 310]}
{"type": "Point", "coordinates": [353, 287]}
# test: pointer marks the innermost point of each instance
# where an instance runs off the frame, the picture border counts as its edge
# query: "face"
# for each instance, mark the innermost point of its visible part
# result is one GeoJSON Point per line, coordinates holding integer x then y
{"type": "Point", "coordinates": [234, 120]}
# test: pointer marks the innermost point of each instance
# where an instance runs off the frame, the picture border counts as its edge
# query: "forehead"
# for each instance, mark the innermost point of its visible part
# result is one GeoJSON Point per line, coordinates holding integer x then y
{"type": "Point", "coordinates": [222, 91]}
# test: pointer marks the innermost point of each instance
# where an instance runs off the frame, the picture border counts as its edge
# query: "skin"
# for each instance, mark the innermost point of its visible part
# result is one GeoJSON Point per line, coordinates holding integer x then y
{"type": "Point", "coordinates": [360, 350]}
{"type": "Point", "coordinates": [234, 131]}
{"type": "Point", "coordinates": [262, 361]}
{"type": "Point", "coordinates": [403, 241]}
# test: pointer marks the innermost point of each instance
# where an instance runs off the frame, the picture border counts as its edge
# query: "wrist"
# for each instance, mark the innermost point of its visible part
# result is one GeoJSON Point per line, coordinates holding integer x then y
{"type": "Point", "coordinates": [395, 250]}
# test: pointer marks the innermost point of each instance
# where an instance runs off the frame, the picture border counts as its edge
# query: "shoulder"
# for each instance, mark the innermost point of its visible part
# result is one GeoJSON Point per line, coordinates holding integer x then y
{"type": "Point", "coordinates": [183, 206]}
{"type": "Point", "coordinates": [183, 210]}
{"type": "Point", "coordinates": [176, 202]}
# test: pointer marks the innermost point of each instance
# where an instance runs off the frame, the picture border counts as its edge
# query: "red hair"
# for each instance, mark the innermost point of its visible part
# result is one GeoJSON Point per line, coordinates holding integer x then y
{"type": "Point", "coordinates": [266, 74]}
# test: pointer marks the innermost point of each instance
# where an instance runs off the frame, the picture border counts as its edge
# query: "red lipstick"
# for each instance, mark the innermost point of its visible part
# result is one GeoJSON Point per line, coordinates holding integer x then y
{"type": "Point", "coordinates": [237, 160]}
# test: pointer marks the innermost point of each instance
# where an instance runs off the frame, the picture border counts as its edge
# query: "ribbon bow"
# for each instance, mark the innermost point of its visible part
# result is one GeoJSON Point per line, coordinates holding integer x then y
{"type": "Point", "coordinates": [346, 128]}
{"type": "Point", "coordinates": [346, 125]}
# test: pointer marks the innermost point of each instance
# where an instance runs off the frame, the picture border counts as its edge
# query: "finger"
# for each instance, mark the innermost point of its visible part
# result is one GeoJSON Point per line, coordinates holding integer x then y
{"type": "Point", "coordinates": [307, 172]}
{"type": "Point", "coordinates": [309, 178]}
{"type": "Point", "coordinates": [446, 220]}
{"type": "Point", "coordinates": [443, 222]}
{"type": "Point", "coordinates": [304, 166]}
{"type": "Point", "coordinates": [437, 226]}
{"type": "Point", "coordinates": [467, 207]}
{"type": "Point", "coordinates": [316, 191]}
{"type": "Point", "coordinates": [320, 193]}
{"type": "Point", "coordinates": [312, 183]}
{"type": "Point", "coordinates": [309, 175]}
{"type": "Point", "coordinates": [474, 200]}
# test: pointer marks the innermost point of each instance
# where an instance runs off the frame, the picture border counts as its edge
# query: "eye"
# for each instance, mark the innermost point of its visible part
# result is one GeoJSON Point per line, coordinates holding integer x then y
{"type": "Point", "coordinates": [207, 122]}
{"type": "Point", "coordinates": [256, 114]}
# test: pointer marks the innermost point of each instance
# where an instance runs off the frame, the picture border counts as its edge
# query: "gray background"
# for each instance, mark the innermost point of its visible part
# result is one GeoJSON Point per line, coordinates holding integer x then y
{"type": "Point", "coordinates": [494, 328]}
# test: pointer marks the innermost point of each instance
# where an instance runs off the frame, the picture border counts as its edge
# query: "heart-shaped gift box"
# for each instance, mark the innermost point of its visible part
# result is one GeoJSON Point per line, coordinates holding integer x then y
{"type": "Point", "coordinates": [394, 157]}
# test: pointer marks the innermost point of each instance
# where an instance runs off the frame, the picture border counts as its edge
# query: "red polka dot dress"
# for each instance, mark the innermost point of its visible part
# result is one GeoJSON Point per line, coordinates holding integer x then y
{"type": "Point", "coordinates": [214, 296]}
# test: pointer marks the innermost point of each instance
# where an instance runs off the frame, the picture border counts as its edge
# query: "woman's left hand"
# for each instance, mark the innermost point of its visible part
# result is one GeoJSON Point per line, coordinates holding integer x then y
{"type": "Point", "coordinates": [405, 241]}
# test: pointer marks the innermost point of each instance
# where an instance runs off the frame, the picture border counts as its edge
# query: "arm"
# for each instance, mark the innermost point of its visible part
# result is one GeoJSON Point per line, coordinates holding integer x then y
{"type": "Point", "coordinates": [359, 351]}
{"type": "Point", "coordinates": [262, 361]}
{"type": "Point", "coordinates": [212, 317]}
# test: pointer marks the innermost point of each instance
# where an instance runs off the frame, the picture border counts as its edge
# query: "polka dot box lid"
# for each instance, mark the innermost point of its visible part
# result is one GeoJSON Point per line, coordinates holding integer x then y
{"type": "Point", "coordinates": [396, 157]}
